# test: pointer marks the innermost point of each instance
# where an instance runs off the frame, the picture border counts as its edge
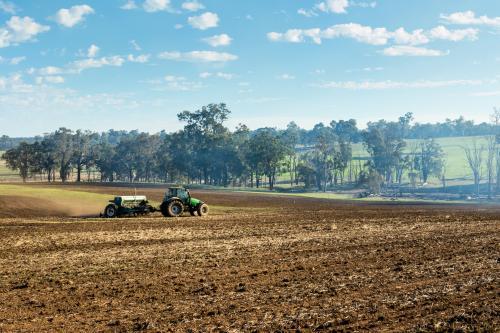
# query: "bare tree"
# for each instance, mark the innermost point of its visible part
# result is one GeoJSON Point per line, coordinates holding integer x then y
{"type": "Point", "coordinates": [495, 116]}
{"type": "Point", "coordinates": [495, 119]}
{"type": "Point", "coordinates": [491, 149]}
{"type": "Point", "coordinates": [442, 176]}
{"type": "Point", "coordinates": [474, 155]}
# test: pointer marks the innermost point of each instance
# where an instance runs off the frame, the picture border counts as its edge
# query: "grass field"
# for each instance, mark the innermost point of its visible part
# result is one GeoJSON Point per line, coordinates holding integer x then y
{"type": "Point", "coordinates": [261, 263]}
{"type": "Point", "coordinates": [456, 162]}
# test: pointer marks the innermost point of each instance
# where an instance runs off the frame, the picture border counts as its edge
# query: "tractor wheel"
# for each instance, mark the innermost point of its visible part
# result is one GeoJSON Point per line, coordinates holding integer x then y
{"type": "Point", "coordinates": [203, 210]}
{"type": "Point", "coordinates": [164, 209]}
{"type": "Point", "coordinates": [110, 211]}
{"type": "Point", "coordinates": [175, 208]}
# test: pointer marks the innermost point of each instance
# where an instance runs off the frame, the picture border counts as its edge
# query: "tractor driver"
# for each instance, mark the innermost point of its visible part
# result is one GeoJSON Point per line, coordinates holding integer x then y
{"type": "Point", "coordinates": [184, 195]}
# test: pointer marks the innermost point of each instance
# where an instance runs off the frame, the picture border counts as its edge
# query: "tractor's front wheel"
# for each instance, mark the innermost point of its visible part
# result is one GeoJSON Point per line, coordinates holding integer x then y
{"type": "Point", "coordinates": [110, 211]}
{"type": "Point", "coordinates": [203, 210]}
{"type": "Point", "coordinates": [175, 209]}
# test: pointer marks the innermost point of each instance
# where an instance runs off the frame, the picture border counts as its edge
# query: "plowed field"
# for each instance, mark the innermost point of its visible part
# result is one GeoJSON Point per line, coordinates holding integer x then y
{"type": "Point", "coordinates": [257, 263]}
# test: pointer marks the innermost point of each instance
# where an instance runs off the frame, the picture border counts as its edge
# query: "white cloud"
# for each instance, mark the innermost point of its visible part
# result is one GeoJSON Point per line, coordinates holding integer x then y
{"type": "Point", "coordinates": [404, 50]}
{"type": "Point", "coordinates": [12, 61]}
{"type": "Point", "coordinates": [49, 79]}
{"type": "Point", "coordinates": [129, 5]}
{"type": "Point", "coordinates": [218, 40]}
{"type": "Point", "coordinates": [17, 60]}
{"type": "Point", "coordinates": [178, 26]}
{"type": "Point", "coordinates": [134, 45]}
{"type": "Point", "coordinates": [372, 4]}
{"type": "Point", "coordinates": [72, 16]}
{"type": "Point", "coordinates": [486, 94]}
{"type": "Point", "coordinates": [204, 21]}
{"type": "Point", "coordinates": [364, 34]}
{"type": "Point", "coordinates": [50, 70]}
{"type": "Point", "coordinates": [192, 6]}
{"type": "Point", "coordinates": [442, 32]}
{"type": "Point", "coordinates": [388, 84]}
{"type": "Point", "coordinates": [81, 65]}
{"type": "Point", "coordinates": [143, 58]}
{"type": "Point", "coordinates": [306, 12]}
{"type": "Point", "coordinates": [92, 51]}
{"type": "Point", "coordinates": [470, 18]}
{"type": "Point", "coordinates": [175, 83]}
{"type": "Point", "coordinates": [18, 30]}
{"type": "Point", "coordinates": [333, 6]}
{"type": "Point", "coordinates": [416, 37]}
{"type": "Point", "coordinates": [8, 7]}
{"type": "Point", "coordinates": [286, 77]}
{"type": "Point", "coordinates": [198, 56]}
{"type": "Point", "coordinates": [152, 6]}
{"type": "Point", "coordinates": [76, 67]}
{"type": "Point", "coordinates": [225, 76]}
{"type": "Point", "coordinates": [26, 99]}
{"type": "Point", "coordinates": [373, 36]}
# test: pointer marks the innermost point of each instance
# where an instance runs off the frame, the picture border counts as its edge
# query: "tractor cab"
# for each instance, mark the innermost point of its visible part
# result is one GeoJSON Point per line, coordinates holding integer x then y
{"type": "Point", "coordinates": [178, 192]}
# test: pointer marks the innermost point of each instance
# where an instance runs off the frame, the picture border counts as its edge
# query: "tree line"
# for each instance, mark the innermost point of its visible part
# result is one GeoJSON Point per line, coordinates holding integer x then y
{"type": "Point", "coordinates": [205, 151]}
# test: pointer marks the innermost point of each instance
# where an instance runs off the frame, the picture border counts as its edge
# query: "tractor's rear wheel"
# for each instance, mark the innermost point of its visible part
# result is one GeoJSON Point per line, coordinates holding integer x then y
{"type": "Point", "coordinates": [164, 209]}
{"type": "Point", "coordinates": [203, 210]}
{"type": "Point", "coordinates": [110, 211]}
{"type": "Point", "coordinates": [175, 208]}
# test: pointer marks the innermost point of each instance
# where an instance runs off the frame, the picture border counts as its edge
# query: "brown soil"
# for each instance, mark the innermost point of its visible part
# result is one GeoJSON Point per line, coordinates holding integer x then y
{"type": "Point", "coordinates": [260, 263]}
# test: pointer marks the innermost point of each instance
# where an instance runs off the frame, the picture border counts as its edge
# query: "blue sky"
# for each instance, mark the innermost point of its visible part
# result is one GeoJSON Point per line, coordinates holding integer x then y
{"type": "Point", "coordinates": [135, 64]}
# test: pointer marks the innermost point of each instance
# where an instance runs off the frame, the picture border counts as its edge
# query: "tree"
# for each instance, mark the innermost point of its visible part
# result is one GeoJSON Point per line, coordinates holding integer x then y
{"type": "Point", "coordinates": [208, 137]}
{"type": "Point", "coordinates": [430, 159]}
{"type": "Point", "coordinates": [306, 173]}
{"type": "Point", "coordinates": [474, 155]}
{"type": "Point", "coordinates": [81, 154]}
{"type": "Point", "coordinates": [491, 149]}
{"type": "Point", "coordinates": [291, 137]}
{"type": "Point", "coordinates": [325, 149]}
{"type": "Point", "coordinates": [267, 151]}
{"type": "Point", "coordinates": [346, 133]}
{"type": "Point", "coordinates": [385, 145]}
{"type": "Point", "coordinates": [495, 118]}
{"type": "Point", "coordinates": [64, 148]}
{"type": "Point", "coordinates": [49, 157]}
{"type": "Point", "coordinates": [20, 159]}
{"type": "Point", "coordinates": [105, 160]}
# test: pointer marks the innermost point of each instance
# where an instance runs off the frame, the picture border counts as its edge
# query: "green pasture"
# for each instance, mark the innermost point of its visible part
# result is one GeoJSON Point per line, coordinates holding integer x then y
{"type": "Point", "coordinates": [454, 155]}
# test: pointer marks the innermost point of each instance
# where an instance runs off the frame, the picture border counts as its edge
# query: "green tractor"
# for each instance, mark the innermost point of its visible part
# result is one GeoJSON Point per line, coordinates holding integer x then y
{"type": "Point", "coordinates": [178, 200]}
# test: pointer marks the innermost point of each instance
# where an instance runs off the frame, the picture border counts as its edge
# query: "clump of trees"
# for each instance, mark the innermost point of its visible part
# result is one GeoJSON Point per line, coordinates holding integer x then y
{"type": "Point", "coordinates": [204, 152]}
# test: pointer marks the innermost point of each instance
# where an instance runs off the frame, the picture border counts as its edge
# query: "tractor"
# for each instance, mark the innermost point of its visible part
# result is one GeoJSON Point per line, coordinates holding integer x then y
{"type": "Point", "coordinates": [128, 206]}
{"type": "Point", "coordinates": [178, 200]}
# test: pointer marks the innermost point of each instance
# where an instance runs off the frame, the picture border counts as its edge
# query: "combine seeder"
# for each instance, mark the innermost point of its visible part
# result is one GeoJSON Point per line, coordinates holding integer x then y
{"type": "Point", "coordinates": [176, 201]}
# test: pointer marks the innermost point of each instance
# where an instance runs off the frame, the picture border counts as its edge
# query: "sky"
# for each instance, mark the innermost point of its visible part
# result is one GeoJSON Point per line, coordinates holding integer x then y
{"type": "Point", "coordinates": [135, 64]}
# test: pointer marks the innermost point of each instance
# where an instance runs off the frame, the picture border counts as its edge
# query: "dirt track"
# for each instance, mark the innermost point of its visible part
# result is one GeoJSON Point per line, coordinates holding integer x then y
{"type": "Point", "coordinates": [268, 264]}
